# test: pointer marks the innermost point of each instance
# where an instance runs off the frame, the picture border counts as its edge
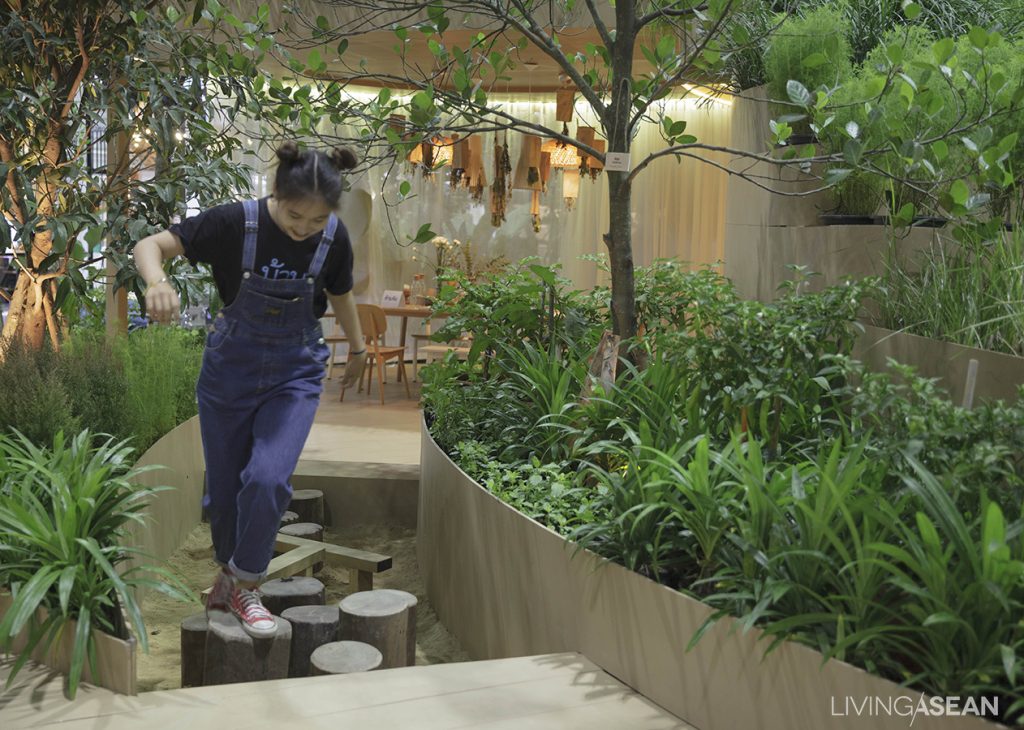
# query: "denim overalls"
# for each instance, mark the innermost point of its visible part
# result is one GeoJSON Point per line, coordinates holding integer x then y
{"type": "Point", "coordinates": [258, 391]}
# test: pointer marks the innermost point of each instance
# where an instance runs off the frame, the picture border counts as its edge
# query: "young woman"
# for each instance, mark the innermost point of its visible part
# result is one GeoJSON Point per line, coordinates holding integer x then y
{"type": "Point", "coordinates": [275, 262]}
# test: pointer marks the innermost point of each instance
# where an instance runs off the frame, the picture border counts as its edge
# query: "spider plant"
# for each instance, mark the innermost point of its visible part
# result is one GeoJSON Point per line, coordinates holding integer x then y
{"type": "Point", "coordinates": [64, 512]}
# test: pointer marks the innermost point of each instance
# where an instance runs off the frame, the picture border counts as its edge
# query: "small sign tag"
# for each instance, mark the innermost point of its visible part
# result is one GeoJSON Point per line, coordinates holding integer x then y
{"type": "Point", "coordinates": [391, 298]}
{"type": "Point", "coordinates": [617, 161]}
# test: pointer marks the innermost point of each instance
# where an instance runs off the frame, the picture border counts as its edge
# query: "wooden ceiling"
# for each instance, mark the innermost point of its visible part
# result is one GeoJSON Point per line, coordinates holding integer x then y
{"type": "Point", "coordinates": [532, 69]}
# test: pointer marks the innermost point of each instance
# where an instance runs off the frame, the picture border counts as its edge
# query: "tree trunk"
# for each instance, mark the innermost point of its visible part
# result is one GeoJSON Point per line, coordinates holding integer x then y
{"type": "Point", "coordinates": [619, 238]}
{"type": "Point", "coordinates": [619, 241]}
{"type": "Point", "coordinates": [26, 323]}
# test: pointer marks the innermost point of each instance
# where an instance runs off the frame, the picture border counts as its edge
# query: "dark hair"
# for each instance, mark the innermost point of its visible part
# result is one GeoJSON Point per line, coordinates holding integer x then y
{"type": "Point", "coordinates": [306, 173]}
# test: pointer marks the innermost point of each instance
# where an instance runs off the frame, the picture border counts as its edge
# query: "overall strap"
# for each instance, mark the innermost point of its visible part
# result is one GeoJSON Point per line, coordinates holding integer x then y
{"type": "Point", "coordinates": [252, 222]}
{"type": "Point", "coordinates": [325, 244]}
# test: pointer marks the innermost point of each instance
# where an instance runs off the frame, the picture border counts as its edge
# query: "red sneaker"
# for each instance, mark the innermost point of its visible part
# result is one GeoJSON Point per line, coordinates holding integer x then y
{"type": "Point", "coordinates": [256, 620]}
{"type": "Point", "coordinates": [218, 597]}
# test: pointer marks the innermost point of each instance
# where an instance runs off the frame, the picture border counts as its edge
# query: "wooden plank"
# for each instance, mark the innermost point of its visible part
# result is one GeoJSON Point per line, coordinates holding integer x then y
{"type": "Point", "coordinates": [360, 580]}
{"type": "Point", "coordinates": [338, 555]}
{"type": "Point", "coordinates": [295, 562]}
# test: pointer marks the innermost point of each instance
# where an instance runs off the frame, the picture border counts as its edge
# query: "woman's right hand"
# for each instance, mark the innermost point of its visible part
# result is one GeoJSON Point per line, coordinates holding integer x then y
{"type": "Point", "coordinates": [162, 303]}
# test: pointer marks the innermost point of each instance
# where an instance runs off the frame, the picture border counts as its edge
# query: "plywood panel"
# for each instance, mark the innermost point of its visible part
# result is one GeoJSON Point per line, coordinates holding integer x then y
{"type": "Point", "coordinates": [507, 586]}
{"type": "Point", "coordinates": [1000, 376]}
{"type": "Point", "coordinates": [115, 658]}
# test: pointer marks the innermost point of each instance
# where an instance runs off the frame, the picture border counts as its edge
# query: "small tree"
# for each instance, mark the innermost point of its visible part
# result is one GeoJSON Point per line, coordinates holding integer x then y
{"type": "Point", "coordinates": [678, 40]}
{"type": "Point", "coordinates": [95, 97]}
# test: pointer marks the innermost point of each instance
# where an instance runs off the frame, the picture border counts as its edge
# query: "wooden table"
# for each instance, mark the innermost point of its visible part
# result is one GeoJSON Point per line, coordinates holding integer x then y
{"type": "Point", "coordinates": [405, 311]}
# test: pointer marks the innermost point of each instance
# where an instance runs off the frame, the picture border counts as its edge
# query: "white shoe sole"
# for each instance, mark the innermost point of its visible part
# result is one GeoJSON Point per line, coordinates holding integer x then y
{"type": "Point", "coordinates": [257, 633]}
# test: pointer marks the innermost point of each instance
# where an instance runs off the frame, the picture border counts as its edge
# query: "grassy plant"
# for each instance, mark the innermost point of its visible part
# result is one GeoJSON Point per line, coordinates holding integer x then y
{"type": "Point", "coordinates": [63, 514]}
{"type": "Point", "coordinates": [161, 368]}
{"type": "Point", "coordinates": [971, 293]}
{"type": "Point", "coordinates": [813, 50]}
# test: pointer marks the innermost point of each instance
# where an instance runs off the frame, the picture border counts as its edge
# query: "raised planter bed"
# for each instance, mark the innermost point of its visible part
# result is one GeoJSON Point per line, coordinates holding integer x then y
{"type": "Point", "coordinates": [999, 375]}
{"type": "Point", "coordinates": [173, 515]}
{"type": "Point", "coordinates": [758, 259]}
{"type": "Point", "coordinates": [115, 658]}
{"type": "Point", "coordinates": [507, 586]}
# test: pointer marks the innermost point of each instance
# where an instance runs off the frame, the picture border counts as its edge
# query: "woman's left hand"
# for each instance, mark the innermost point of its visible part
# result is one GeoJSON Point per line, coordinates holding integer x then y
{"type": "Point", "coordinates": [353, 369]}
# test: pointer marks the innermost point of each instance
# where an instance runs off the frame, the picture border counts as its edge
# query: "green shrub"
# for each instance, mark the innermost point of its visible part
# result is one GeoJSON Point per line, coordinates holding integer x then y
{"type": "Point", "coordinates": [161, 367]}
{"type": "Point", "coordinates": [812, 50]}
{"type": "Point", "coordinates": [34, 398]}
{"type": "Point", "coordinates": [92, 375]}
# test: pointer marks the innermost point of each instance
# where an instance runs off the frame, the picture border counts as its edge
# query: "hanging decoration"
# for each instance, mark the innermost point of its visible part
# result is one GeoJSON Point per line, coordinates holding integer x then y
{"type": "Point", "coordinates": [570, 186]}
{"type": "Point", "coordinates": [528, 175]}
{"type": "Point", "coordinates": [593, 163]}
{"type": "Point", "coordinates": [502, 171]}
{"type": "Point", "coordinates": [545, 170]}
{"type": "Point", "coordinates": [476, 174]}
{"type": "Point", "coordinates": [565, 102]}
{"type": "Point", "coordinates": [460, 161]}
{"type": "Point", "coordinates": [585, 135]}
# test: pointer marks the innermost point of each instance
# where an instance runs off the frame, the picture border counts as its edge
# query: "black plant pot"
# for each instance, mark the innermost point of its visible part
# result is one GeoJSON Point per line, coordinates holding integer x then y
{"type": "Point", "coordinates": [928, 221]}
{"type": "Point", "coordinates": [796, 140]}
{"type": "Point", "coordinates": [843, 219]}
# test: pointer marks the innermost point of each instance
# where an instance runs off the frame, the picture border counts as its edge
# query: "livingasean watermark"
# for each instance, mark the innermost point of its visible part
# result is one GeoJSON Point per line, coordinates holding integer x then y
{"type": "Point", "coordinates": [913, 707]}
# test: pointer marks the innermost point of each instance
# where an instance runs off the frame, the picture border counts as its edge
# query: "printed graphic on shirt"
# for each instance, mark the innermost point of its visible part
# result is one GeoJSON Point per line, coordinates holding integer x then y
{"type": "Point", "coordinates": [276, 270]}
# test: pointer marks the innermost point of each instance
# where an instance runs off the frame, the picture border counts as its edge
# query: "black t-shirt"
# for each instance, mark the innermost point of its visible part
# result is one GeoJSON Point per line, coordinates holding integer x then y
{"type": "Point", "coordinates": [216, 237]}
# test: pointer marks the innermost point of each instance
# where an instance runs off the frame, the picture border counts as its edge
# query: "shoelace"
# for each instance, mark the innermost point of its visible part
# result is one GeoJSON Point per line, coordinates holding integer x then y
{"type": "Point", "coordinates": [250, 601]}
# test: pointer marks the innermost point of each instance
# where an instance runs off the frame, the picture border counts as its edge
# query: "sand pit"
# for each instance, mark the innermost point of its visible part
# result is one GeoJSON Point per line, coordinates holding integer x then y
{"type": "Point", "coordinates": [160, 669]}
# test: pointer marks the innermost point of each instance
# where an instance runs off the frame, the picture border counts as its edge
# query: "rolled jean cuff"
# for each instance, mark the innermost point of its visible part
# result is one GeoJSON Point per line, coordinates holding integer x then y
{"type": "Point", "coordinates": [245, 574]}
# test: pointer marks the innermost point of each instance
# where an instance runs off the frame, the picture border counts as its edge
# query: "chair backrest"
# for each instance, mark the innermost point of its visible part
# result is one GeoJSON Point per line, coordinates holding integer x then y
{"type": "Point", "coordinates": [372, 321]}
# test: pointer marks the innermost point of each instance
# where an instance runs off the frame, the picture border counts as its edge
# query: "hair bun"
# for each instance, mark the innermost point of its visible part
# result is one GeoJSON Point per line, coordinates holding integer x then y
{"type": "Point", "coordinates": [343, 158]}
{"type": "Point", "coordinates": [289, 153]}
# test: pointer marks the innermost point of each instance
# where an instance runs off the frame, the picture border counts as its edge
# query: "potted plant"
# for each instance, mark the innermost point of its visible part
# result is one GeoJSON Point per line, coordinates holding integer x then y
{"type": "Point", "coordinates": [812, 49]}
{"type": "Point", "coordinates": [64, 512]}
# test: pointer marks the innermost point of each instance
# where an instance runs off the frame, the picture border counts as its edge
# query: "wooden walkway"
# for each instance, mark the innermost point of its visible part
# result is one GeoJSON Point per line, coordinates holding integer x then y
{"type": "Point", "coordinates": [553, 692]}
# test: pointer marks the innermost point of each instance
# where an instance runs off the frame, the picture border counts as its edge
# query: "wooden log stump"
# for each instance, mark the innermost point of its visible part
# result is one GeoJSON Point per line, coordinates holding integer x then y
{"type": "Point", "coordinates": [289, 518]}
{"type": "Point", "coordinates": [283, 593]}
{"type": "Point", "coordinates": [380, 619]}
{"type": "Point", "coordinates": [307, 531]}
{"type": "Point", "coordinates": [344, 657]}
{"type": "Point", "coordinates": [234, 656]}
{"type": "Point", "coordinates": [193, 649]}
{"type": "Point", "coordinates": [312, 627]}
{"type": "Point", "coordinates": [308, 504]}
{"type": "Point", "coordinates": [411, 602]}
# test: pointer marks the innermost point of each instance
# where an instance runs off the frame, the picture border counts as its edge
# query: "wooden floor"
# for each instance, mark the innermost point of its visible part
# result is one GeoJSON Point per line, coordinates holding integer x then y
{"type": "Point", "coordinates": [554, 692]}
{"type": "Point", "coordinates": [363, 434]}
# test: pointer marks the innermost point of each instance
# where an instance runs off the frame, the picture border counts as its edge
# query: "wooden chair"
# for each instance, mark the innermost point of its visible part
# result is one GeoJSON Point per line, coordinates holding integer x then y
{"type": "Point", "coordinates": [374, 325]}
{"type": "Point", "coordinates": [440, 350]}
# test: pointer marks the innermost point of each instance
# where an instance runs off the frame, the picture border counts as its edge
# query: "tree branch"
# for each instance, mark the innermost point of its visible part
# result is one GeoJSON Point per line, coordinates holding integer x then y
{"type": "Point", "coordinates": [602, 28]}
{"type": "Point", "coordinates": [650, 17]}
{"type": "Point", "coordinates": [540, 39]}
{"type": "Point", "coordinates": [7, 157]}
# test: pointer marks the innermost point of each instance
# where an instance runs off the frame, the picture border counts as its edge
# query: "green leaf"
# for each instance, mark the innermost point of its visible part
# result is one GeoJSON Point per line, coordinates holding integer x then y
{"type": "Point", "coordinates": [959, 192]}
{"type": "Point", "coordinates": [314, 60]}
{"type": "Point", "coordinates": [405, 188]}
{"type": "Point", "coordinates": [814, 60]}
{"type": "Point", "coordinates": [424, 234]}
{"type": "Point", "coordinates": [342, 46]}
{"type": "Point", "coordinates": [798, 93]}
{"type": "Point", "coordinates": [979, 37]}
{"type": "Point", "coordinates": [852, 151]}
{"type": "Point", "coordinates": [942, 50]}
{"type": "Point", "coordinates": [321, 23]}
{"type": "Point", "coordinates": [173, 13]}
{"type": "Point", "coordinates": [940, 149]}
{"type": "Point", "coordinates": [666, 48]}
{"type": "Point", "coordinates": [911, 9]}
